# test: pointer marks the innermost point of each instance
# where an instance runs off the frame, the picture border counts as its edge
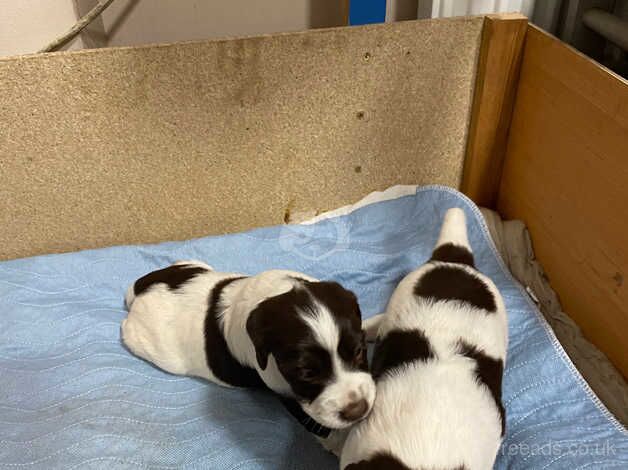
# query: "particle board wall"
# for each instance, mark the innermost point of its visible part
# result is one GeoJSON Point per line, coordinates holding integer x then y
{"type": "Point", "coordinates": [565, 176]}
{"type": "Point", "coordinates": [134, 145]}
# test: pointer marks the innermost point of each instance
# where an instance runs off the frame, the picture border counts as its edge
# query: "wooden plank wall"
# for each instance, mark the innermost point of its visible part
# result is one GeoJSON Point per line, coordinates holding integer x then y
{"type": "Point", "coordinates": [566, 176]}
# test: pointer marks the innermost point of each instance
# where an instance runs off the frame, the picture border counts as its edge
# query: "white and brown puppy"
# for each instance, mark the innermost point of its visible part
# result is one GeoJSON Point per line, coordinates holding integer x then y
{"type": "Point", "coordinates": [438, 365]}
{"type": "Point", "coordinates": [298, 336]}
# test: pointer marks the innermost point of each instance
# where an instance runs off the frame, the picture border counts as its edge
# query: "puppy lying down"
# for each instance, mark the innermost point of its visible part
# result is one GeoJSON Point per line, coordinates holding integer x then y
{"type": "Point", "coordinates": [298, 336]}
{"type": "Point", "coordinates": [438, 365]}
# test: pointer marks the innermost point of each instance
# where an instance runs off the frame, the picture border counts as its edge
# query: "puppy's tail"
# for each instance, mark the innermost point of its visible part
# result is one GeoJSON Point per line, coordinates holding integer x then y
{"type": "Point", "coordinates": [453, 244]}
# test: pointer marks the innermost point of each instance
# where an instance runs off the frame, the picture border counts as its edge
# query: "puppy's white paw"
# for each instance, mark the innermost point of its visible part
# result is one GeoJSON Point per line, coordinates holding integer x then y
{"type": "Point", "coordinates": [371, 327]}
{"type": "Point", "coordinates": [335, 441]}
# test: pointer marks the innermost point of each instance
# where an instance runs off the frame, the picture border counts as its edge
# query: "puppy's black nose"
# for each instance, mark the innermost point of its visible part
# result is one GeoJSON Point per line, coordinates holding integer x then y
{"type": "Point", "coordinates": [354, 411]}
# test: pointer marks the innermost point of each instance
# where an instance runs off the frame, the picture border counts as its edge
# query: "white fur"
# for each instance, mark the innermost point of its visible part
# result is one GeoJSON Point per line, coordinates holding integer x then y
{"type": "Point", "coordinates": [454, 229]}
{"type": "Point", "coordinates": [323, 326]}
{"type": "Point", "coordinates": [166, 328]}
{"type": "Point", "coordinates": [434, 414]}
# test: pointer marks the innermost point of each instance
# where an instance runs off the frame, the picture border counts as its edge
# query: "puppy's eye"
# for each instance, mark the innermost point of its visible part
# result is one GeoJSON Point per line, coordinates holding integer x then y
{"type": "Point", "coordinates": [309, 373]}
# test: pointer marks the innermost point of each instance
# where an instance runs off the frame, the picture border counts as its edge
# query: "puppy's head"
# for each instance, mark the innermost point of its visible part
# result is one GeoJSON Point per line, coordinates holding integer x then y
{"type": "Point", "coordinates": [313, 333]}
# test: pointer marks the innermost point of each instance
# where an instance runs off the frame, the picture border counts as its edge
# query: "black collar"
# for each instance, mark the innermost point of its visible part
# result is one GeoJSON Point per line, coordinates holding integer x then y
{"type": "Point", "coordinates": [306, 420]}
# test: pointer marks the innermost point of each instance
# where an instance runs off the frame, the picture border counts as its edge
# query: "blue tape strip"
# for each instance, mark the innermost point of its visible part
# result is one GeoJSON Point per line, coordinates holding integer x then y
{"type": "Point", "coordinates": [367, 11]}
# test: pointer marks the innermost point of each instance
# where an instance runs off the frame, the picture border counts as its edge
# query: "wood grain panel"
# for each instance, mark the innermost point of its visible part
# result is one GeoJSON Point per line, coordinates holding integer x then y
{"type": "Point", "coordinates": [566, 176]}
{"type": "Point", "coordinates": [496, 81]}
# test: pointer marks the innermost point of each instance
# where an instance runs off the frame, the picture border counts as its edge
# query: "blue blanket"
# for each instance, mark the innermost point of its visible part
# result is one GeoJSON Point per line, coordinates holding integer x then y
{"type": "Point", "coordinates": [71, 396]}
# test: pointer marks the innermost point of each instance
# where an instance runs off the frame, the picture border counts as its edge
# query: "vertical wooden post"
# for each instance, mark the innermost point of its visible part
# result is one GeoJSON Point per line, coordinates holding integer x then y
{"type": "Point", "coordinates": [495, 87]}
{"type": "Point", "coordinates": [345, 5]}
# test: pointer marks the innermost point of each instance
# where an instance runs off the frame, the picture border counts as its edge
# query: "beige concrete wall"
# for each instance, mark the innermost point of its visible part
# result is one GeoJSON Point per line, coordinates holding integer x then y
{"type": "Point", "coordinates": [28, 25]}
{"type": "Point", "coordinates": [132, 22]}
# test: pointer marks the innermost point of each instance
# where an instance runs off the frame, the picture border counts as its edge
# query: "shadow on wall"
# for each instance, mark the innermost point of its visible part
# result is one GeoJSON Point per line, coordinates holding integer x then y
{"type": "Point", "coordinates": [402, 10]}
{"type": "Point", "coordinates": [328, 13]}
{"type": "Point", "coordinates": [322, 13]}
{"type": "Point", "coordinates": [134, 22]}
{"type": "Point", "coordinates": [122, 17]}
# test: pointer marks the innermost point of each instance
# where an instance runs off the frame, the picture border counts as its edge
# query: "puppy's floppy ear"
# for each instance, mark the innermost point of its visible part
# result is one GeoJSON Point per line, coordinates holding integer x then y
{"type": "Point", "coordinates": [270, 321]}
{"type": "Point", "coordinates": [259, 331]}
{"type": "Point", "coordinates": [336, 297]}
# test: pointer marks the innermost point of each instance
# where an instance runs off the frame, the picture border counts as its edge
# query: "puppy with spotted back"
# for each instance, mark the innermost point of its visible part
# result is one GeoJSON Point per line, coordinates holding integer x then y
{"type": "Point", "coordinates": [296, 335]}
{"type": "Point", "coordinates": [438, 364]}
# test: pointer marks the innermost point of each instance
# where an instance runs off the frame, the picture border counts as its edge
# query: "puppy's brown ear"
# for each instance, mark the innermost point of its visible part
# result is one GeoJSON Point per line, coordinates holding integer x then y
{"type": "Point", "coordinates": [336, 297]}
{"type": "Point", "coordinates": [258, 329]}
{"type": "Point", "coordinates": [272, 323]}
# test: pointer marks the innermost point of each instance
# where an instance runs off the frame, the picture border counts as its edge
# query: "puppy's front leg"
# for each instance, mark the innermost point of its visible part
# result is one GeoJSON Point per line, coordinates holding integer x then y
{"type": "Point", "coordinates": [371, 327]}
{"type": "Point", "coordinates": [335, 441]}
